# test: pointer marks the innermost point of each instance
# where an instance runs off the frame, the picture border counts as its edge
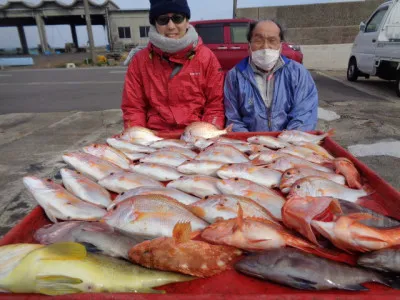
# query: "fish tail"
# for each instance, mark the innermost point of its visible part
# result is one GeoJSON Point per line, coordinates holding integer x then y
{"type": "Point", "coordinates": [258, 162]}
{"type": "Point", "coordinates": [331, 132]}
{"type": "Point", "coordinates": [368, 189]}
{"type": "Point", "coordinates": [389, 279]}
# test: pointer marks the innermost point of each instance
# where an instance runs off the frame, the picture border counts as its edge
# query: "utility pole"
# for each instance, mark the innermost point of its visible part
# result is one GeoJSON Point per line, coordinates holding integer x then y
{"type": "Point", "coordinates": [234, 8]}
{"type": "Point", "coordinates": [89, 30]}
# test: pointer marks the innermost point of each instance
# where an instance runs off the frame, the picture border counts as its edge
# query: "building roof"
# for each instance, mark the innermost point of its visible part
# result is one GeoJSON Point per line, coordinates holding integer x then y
{"type": "Point", "coordinates": [60, 3]}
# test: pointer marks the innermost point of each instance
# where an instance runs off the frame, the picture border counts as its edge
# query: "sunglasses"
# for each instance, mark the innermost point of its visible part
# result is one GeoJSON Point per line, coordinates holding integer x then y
{"type": "Point", "coordinates": [176, 18]}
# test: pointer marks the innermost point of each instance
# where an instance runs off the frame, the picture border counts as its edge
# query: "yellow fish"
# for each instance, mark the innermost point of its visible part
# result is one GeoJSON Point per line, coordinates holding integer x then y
{"type": "Point", "coordinates": [67, 268]}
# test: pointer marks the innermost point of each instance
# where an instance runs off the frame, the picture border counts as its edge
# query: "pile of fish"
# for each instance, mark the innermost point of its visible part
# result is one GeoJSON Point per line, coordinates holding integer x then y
{"type": "Point", "coordinates": [197, 206]}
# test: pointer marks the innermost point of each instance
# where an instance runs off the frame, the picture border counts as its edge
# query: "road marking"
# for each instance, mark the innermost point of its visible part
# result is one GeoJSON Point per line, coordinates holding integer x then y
{"type": "Point", "coordinates": [368, 90]}
{"type": "Point", "coordinates": [117, 72]}
{"type": "Point", "coordinates": [377, 149]}
{"type": "Point", "coordinates": [5, 75]}
{"type": "Point", "coordinates": [327, 115]}
{"type": "Point", "coordinates": [61, 83]}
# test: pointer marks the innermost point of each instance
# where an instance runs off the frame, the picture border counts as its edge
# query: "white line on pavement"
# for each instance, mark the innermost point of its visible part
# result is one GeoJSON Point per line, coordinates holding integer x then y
{"type": "Point", "coordinates": [5, 75]}
{"type": "Point", "coordinates": [61, 83]}
{"type": "Point", "coordinates": [377, 149]}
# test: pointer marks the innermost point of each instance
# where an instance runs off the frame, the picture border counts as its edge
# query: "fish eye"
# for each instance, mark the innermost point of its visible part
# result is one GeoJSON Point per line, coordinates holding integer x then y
{"type": "Point", "coordinates": [206, 197]}
{"type": "Point", "coordinates": [95, 146]}
{"type": "Point", "coordinates": [236, 179]}
{"type": "Point", "coordinates": [112, 173]}
{"type": "Point", "coordinates": [78, 173]}
{"type": "Point", "coordinates": [298, 186]}
{"type": "Point", "coordinates": [114, 208]}
{"type": "Point", "coordinates": [48, 180]}
{"type": "Point", "coordinates": [230, 165]}
{"type": "Point", "coordinates": [123, 193]}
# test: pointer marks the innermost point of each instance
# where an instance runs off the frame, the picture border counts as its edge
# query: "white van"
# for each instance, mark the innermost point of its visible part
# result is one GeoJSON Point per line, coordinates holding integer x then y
{"type": "Point", "coordinates": [376, 49]}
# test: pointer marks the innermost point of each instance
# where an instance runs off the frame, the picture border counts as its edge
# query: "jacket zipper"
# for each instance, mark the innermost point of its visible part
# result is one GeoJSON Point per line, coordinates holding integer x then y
{"type": "Point", "coordinates": [272, 100]}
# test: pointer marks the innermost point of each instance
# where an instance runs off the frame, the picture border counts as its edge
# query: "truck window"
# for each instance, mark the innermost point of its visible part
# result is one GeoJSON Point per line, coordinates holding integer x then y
{"type": "Point", "coordinates": [239, 33]}
{"type": "Point", "coordinates": [211, 33]}
{"type": "Point", "coordinates": [373, 24]}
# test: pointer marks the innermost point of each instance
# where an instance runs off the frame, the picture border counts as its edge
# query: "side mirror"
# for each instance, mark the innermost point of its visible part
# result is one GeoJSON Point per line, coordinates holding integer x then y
{"type": "Point", "coordinates": [362, 26]}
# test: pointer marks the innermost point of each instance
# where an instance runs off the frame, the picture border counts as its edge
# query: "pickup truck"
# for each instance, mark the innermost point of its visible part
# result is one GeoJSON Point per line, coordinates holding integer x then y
{"type": "Point", "coordinates": [227, 39]}
{"type": "Point", "coordinates": [376, 49]}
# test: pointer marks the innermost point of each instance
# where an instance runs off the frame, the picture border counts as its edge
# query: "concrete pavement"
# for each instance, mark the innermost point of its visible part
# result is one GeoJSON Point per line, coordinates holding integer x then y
{"type": "Point", "coordinates": [55, 90]}
{"type": "Point", "coordinates": [65, 110]}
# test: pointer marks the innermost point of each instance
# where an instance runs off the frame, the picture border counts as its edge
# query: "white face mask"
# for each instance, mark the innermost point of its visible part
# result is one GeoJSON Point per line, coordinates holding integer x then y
{"type": "Point", "coordinates": [265, 59]}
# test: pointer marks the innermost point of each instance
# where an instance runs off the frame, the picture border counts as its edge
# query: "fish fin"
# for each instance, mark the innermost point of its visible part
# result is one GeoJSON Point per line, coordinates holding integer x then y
{"type": "Point", "coordinates": [57, 285]}
{"type": "Point", "coordinates": [97, 227]}
{"type": "Point", "coordinates": [258, 162]}
{"type": "Point", "coordinates": [353, 287]}
{"type": "Point", "coordinates": [90, 247]}
{"type": "Point", "coordinates": [302, 283]}
{"type": "Point", "coordinates": [367, 238]}
{"type": "Point", "coordinates": [229, 128]}
{"type": "Point", "coordinates": [181, 232]}
{"type": "Point", "coordinates": [196, 210]}
{"type": "Point", "coordinates": [239, 219]}
{"type": "Point", "coordinates": [57, 290]}
{"type": "Point", "coordinates": [390, 279]}
{"type": "Point", "coordinates": [57, 279]}
{"type": "Point", "coordinates": [258, 241]}
{"type": "Point", "coordinates": [63, 251]}
{"type": "Point", "coordinates": [360, 216]}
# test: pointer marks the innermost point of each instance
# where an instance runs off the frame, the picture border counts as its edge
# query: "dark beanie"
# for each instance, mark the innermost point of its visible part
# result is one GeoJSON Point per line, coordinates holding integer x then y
{"type": "Point", "coordinates": [161, 7]}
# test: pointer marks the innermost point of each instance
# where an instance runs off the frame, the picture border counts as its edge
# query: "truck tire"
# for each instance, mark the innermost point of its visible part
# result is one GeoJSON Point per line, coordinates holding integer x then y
{"type": "Point", "coordinates": [398, 84]}
{"type": "Point", "coordinates": [352, 70]}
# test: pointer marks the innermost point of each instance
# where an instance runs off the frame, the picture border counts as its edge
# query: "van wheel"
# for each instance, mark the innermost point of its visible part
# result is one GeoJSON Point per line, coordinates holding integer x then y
{"type": "Point", "coordinates": [398, 84]}
{"type": "Point", "coordinates": [352, 70]}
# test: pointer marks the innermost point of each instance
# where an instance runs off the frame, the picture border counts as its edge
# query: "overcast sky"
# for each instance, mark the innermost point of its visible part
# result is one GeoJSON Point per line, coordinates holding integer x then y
{"type": "Point", "coordinates": [200, 9]}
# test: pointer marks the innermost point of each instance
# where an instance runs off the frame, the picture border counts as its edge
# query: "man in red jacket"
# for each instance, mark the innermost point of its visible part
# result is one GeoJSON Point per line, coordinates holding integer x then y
{"type": "Point", "coordinates": [176, 80]}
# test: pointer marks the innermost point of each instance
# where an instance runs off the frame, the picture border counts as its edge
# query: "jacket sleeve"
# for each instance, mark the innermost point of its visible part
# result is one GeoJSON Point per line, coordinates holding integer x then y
{"type": "Point", "coordinates": [304, 114]}
{"type": "Point", "coordinates": [133, 98]}
{"type": "Point", "coordinates": [214, 107]}
{"type": "Point", "coordinates": [231, 102]}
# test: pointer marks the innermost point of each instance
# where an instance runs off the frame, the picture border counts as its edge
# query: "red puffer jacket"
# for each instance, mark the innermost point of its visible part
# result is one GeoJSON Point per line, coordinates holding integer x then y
{"type": "Point", "coordinates": [153, 99]}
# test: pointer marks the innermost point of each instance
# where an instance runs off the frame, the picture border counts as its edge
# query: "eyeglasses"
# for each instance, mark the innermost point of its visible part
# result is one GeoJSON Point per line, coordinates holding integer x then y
{"type": "Point", "coordinates": [176, 18]}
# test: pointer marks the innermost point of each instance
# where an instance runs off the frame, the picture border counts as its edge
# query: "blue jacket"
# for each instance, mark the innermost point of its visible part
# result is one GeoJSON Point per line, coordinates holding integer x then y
{"type": "Point", "coordinates": [294, 105]}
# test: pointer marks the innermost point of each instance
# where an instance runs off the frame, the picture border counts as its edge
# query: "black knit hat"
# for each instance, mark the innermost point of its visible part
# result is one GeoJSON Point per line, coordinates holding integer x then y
{"type": "Point", "coordinates": [161, 7]}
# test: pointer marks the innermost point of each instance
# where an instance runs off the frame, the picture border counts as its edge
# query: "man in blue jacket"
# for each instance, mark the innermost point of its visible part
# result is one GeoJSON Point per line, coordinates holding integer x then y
{"type": "Point", "coordinates": [266, 91]}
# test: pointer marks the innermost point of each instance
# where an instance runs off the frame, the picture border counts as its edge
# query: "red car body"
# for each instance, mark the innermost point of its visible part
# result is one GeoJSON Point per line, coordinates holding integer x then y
{"type": "Point", "coordinates": [227, 39]}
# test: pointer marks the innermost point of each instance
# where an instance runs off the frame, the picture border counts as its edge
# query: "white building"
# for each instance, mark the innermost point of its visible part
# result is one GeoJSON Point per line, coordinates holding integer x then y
{"type": "Point", "coordinates": [129, 26]}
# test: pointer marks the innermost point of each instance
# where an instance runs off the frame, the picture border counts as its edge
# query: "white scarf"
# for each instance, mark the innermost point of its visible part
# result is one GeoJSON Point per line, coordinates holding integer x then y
{"type": "Point", "coordinates": [169, 45]}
